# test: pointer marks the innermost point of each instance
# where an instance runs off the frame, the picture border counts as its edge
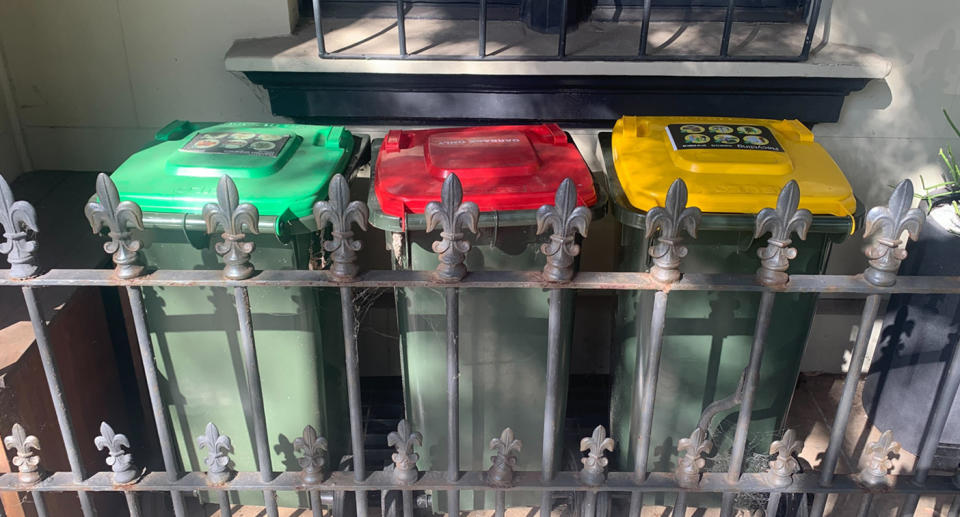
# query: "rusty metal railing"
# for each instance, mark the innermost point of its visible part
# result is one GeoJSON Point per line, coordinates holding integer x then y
{"type": "Point", "coordinates": [885, 225]}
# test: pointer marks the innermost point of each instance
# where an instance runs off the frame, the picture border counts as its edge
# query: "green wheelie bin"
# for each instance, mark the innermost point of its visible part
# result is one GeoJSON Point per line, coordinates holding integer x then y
{"type": "Point", "coordinates": [282, 169]}
{"type": "Point", "coordinates": [509, 171]}
{"type": "Point", "coordinates": [732, 168]}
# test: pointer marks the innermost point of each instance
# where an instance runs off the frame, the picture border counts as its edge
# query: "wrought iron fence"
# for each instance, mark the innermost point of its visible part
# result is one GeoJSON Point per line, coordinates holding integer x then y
{"type": "Point", "coordinates": [810, 18]}
{"type": "Point", "coordinates": [566, 224]}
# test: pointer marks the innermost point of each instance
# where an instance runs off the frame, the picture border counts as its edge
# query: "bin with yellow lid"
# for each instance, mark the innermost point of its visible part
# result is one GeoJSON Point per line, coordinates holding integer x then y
{"type": "Point", "coordinates": [733, 167]}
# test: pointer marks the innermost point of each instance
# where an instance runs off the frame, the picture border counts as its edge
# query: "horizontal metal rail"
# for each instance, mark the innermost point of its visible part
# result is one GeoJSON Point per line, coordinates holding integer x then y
{"type": "Point", "coordinates": [523, 481]}
{"type": "Point", "coordinates": [587, 280]}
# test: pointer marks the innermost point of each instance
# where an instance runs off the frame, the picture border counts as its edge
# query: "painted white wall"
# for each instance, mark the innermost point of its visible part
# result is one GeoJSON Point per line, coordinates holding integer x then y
{"type": "Point", "coordinates": [891, 130]}
{"type": "Point", "coordinates": [93, 80]}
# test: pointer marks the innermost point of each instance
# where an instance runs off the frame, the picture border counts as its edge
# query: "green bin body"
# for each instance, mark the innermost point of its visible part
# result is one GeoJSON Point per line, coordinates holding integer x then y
{"type": "Point", "coordinates": [503, 346]}
{"type": "Point", "coordinates": [708, 335]}
{"type": "Point", "coordinates": [195, 333]}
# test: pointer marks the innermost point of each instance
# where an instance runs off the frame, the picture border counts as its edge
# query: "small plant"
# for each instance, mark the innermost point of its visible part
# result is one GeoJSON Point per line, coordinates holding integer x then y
{"type": "Point", "coordinates": [950, 186]}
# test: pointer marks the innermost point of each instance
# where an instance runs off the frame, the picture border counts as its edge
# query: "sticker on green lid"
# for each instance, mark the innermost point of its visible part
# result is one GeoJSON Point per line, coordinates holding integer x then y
{"type": "Point", "coordinates": [242, 143]}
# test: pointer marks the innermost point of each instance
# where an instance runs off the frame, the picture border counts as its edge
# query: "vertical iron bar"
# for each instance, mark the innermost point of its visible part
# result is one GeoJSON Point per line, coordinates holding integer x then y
{"type": "Point", "coordinates": [865, 503]}
{"type": "Point", "coordinates": [321, 47]}
{"type": "Point", "coordinates": [645, 28]}
{"type": "Point", "coordinates": [315, 505]}
{"type": "Point", "coordinates": [408, 503]}
{"type": "Point", "coordinates": [870, 309]}
{"type": "Point", "coordinates": [746, 404]}
{"type": "Point", "coordinates": [133, 506]}
{"type": "Point", "coordinates": [353, 395]}
{"type": "Point", "coordinates": [482, 38]}
{"type": "Point", "coordinates": [680, 506]}
{"type": "Point", "coordinates": [501, 503]}
{"type": "Point", "coordinates": [811, 28]}
{"type": "Point", "coordinates": [56, 394]}
{"type": "Point", "coordinates": [650, 385]}
{"type": "Point", "coordinates": [727, 28]}
{"type": "Point", "coordinates": [636, 499]}
{"type": "Point", "coordinates": [954, 507]}
{"type": "Point", "coordinates": [551, 405]}
{"type": "Point", "coordinates": [135, 295]}
{"type": "Point", "coordinates": [223, 498]}
{"type": "Point", "coordinates": [39, 504]}
{"type": "Point", "coordinates": [255, 392]}
{"type": "Point", "coordinates": [726, 504]}
{"type": "Point", "coordinates": [401, 28]}
{"type": "Point", "coordinates": [589, 504]}
{"type": "Point", "coordinates": [942, 403]}
{"type": "Point", "coordinates": [562, 40]}
{"type": "Point", "coordinates": [773, 503]}
{"type": "Point", "coordinates": [640, 373]}
{"type": "Point", "coordinates": [453, 396]}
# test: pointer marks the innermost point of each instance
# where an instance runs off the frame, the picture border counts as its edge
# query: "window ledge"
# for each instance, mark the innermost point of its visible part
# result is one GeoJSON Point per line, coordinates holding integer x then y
{"type": "Point", "coordinates": [298, 53]}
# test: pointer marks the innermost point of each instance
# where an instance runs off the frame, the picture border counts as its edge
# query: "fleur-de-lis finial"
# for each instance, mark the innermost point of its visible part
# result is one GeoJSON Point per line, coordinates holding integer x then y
{"type": "Point", "coordinates": [673, 216]}
{"type": "Point", "coordinates": [26, 461]}
{"type": "Point", "coordinates": [119, 218]}
{"type": "Point", "coordinates": [314, 449]}
{"type": "Point", "coordinates": [119, 460]}
{"type": "Point", "coordinates": [781, 222]}
{"type": "Point", "coordinates": [692, 462]}
{"type": "Point", "coordinates": [340, 213]}
{"type": "Point", "coordinates": [594, 465]}
{"type": "Point", "coordinates": [566, 219]}
{"type": "Point", "coordinates": [500, 473]}
{"type": "Point", "coordinates": [452, 215]}
{"type": "Point", "coordinates": [888, 223]}
{"type": "Point", "coordinates": [232, 216]}
{"type": "Point", "coordinates": [218, 447]}
{"type": "Point", "coordinates": [404, 460]}
{"type": "Point", "coordinates": [16, 219]}
{"type": "Point", "coordinates": [875, 460]}
{"type": "Point", "coordinates": [785, 465]}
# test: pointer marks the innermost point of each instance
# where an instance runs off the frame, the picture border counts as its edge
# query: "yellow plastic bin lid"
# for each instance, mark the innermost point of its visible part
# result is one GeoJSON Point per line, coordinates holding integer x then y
{"type": "Point", "coordinates": [730, 165]}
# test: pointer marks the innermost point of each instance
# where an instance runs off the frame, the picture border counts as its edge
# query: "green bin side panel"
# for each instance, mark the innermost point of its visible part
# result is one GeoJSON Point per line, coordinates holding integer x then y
{"type": "Point", "coordinates": [706, 345]}
{"type": "Point", "coordinates": [298, 333]}
{"type": "Point", "coordinates": [503, 359]}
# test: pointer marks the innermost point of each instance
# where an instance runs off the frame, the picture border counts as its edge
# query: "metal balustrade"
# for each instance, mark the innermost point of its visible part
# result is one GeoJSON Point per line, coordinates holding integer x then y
{"type": "Point", "coordinates": [566, 224]}
{"type": "Point", "coordinates": [810, 19]}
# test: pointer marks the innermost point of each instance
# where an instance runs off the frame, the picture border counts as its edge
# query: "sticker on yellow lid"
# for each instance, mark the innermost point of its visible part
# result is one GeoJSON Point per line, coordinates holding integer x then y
{"type": "Point", "coordinates": [722, 136]}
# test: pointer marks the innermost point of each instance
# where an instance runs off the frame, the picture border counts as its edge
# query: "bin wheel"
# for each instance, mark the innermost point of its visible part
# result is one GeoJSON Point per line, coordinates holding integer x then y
{"type": "Point", "coordinates": [344, 504]}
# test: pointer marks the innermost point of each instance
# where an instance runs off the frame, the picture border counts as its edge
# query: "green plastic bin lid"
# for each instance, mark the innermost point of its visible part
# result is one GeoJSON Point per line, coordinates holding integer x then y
{"type": "Point", "coordinates": [282, 169]}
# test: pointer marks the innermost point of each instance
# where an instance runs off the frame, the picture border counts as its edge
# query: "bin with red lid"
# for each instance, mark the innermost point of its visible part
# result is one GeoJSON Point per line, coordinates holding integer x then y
{"type": "Point", "coordinates": [509, 171]}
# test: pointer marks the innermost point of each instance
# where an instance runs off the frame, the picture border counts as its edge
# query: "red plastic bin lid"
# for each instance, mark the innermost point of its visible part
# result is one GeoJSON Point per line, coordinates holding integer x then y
{"type": "Point", "coordinates": [500, 167]}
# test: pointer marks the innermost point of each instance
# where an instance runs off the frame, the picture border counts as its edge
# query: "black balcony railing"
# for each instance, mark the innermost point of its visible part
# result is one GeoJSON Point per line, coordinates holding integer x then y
{"type": "Point", "coordinates": [809, 16]}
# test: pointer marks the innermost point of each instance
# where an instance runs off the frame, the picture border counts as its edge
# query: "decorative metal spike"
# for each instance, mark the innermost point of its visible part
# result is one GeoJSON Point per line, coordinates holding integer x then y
{"type": "Point", "coordinates": [218, 448]}
{"type": "Point", "coordinates": [781, 222]}
{"type": "Point", "coordinates": [500, 473]}
{"type": "Point", "coordinates": [340, 213]}
{"type": "Point", "coordinates": [119, 218]}
{"type": "Point", "coordinates": [26, 461]}
{"type": "Point", "coordinates": [232, 216]}
{"type": "Point", "coordinates": [314, 449]}
{"type": "Point", "coordinates": [452, 215]}
{"type": "Point", "coordinates": [404, 460]}
{"type": "Point", "coordinates": [121, 462]}
{"type": "Point", "coordinates": [673, 216]}
{"type": "Point", "coordinates": [594, 465]}
{"type": "Point", "coordinates": [888, 223]}
{"type": "Point", "coordinates": [17, 218]}
{"type": "Point", "coordinates": [875, 461]}
{"type": "Point", "coordinates": [692, 462]}
{"type": "Point", "coordinates": [785, 465]}
{"type": "Point", "coordinates": [566, 219]}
